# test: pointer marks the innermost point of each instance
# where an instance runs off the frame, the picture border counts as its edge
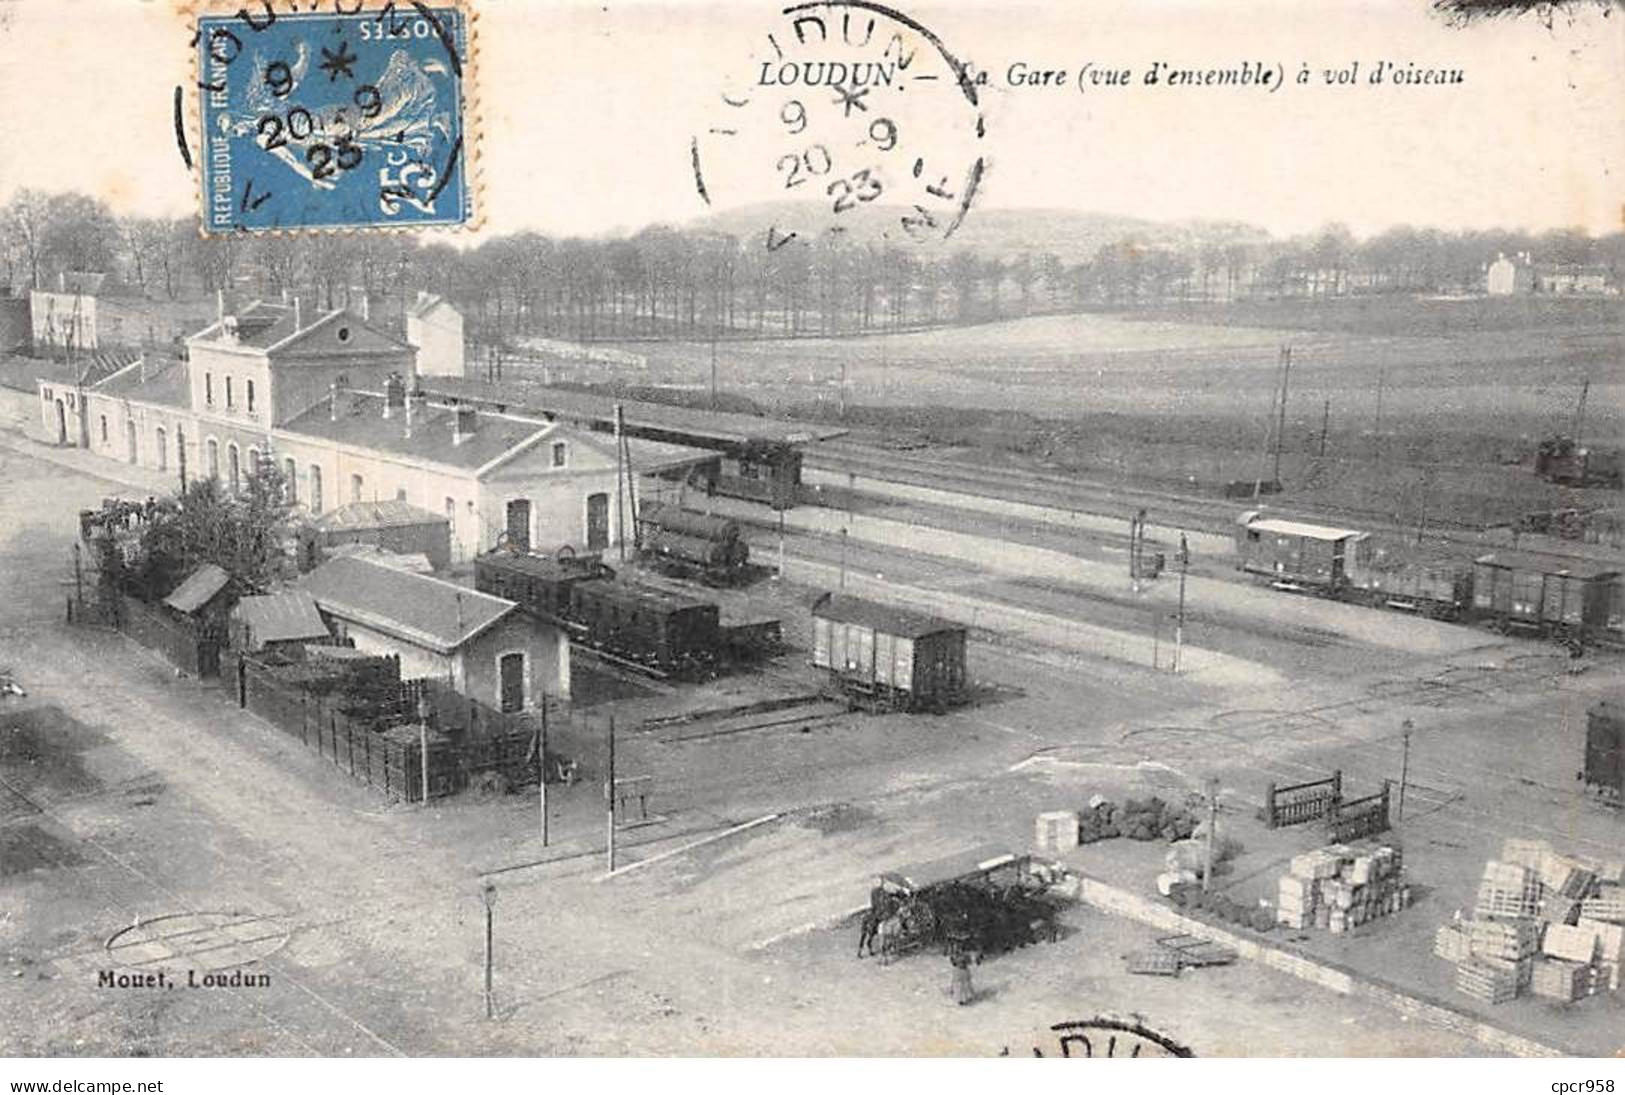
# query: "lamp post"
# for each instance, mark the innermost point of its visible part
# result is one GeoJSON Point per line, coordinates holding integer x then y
{"type": "Point", "coordinates": [489, 896]}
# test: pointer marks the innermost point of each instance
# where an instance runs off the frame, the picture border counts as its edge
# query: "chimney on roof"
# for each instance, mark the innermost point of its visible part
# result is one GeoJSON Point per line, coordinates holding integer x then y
{"type": "Point", "coordinates": [366, 306]}
{"type": "Point", "coordinates": [62, 280]}
{"type": "Point", "coordinates": [464, 423]}
{"type": "Point", "coordinates": [394, 394]}
{"type": "Point", "coordinates": [298, 322]}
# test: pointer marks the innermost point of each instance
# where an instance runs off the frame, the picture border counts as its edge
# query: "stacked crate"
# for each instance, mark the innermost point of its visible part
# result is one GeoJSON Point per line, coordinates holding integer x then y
{"type": "Point", "coordinates": [1545, 923]}
{"type": "Point", "coordinates": [1337, 888]}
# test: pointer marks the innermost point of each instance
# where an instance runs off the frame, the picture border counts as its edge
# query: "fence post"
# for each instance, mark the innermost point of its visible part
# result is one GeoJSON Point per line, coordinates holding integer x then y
{"type": "Point", "coordinates": [1387, 818]}
{"type": "Point", "coordinates": [1269, 804]}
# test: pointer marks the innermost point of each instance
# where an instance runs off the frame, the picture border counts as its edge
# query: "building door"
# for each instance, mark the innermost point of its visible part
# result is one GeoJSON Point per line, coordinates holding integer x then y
{"type": "Point", "coordinates": [61, 423]}
{"type": "Point", "coordinates": [519, 524]}
{"type": "Point", "coordinates": [129, 439]}
{"type": "Point", "coordinates": [597, 522]}
{"type": "Point", "coordinates": [512, 670]}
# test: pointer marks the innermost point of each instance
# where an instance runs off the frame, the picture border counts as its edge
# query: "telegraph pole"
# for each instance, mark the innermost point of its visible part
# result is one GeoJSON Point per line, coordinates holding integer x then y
{"type": "Point", "coordinates": [609, 796]}
{"type": "Point", "coordinates": [1404, 765]}
{"type": "Point", "coordinates": [1212, 824]}
{"type": "Point", "coordinates": [541, 766]}
{"type": "Point", "coordinates": [620, 498]}
{"type": "Point", "coordinates": [1179, 626]}
{"type": "Point", "coordinates": [1325, 423]}
{"type": "Point", "coordinates": [1280, 422]}
{"type": "Point", "coordinates": [489, 895]}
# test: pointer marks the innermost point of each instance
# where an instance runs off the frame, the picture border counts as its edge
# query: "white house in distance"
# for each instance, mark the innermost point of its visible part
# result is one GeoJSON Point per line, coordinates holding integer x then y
{"type": "Point", "coordinates": [435, 329]}
{"type": "Point", "coordinates": [483, 646]}
{"type": "Point", "coordinates": [324, 395]}
{"type": "Point", "coordinates": [1507, 276]}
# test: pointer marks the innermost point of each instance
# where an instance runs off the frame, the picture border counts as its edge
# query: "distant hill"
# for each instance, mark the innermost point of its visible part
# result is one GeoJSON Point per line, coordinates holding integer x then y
{"type": "Point", "coordinates": [1002, 233]}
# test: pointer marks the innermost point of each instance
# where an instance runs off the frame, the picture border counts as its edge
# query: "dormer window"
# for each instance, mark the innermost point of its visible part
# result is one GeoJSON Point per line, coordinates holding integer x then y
{"type": "Point", "coordinates": [560, 454]}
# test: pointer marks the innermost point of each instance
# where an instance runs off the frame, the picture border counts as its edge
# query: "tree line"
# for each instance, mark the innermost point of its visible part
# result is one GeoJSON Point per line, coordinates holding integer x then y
{"type": "Point", "coordinates": [692, 283]}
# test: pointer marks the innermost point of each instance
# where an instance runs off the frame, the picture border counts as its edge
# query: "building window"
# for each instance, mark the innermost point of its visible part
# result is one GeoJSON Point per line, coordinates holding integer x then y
{"type": "Point", "coordinates": [355, 488]}
{"type": "Point", "coordinates": [104, 429]}
{"type": "Point", "coordinates": [250, 393]}
{"type": "Point", "coordinates": [228, 393]}
{"type": "Point", "coordinates": [46, 393]}
{"type": "Point", "coordinates": [451, 513]}
{"type": "Point", "coordinates": [208, 388]}
{"type": "Point", "coordinates": [290, 481]}
{"type": "Point", "coordinates": [214, 458]}
{"type": "Point", "coordinates": [160, 442]}
{"type": "Point", "coordinates": [253, 466]}
{"type": "Point", "coordinates": [315, 488]}
{"type": "Point", "coordinates": [559, 454]}
{"type": "Point", "coordinates": [234, 463]}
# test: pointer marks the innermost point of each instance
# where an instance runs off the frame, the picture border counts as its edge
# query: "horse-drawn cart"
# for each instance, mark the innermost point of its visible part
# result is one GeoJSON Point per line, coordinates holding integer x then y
{"type": "Point", "coordinates": [983, 901]}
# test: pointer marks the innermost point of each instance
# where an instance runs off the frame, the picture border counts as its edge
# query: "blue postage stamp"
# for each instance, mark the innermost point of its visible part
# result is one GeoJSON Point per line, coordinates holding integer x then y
{"type": "Point", "coordinates": [334, 118]}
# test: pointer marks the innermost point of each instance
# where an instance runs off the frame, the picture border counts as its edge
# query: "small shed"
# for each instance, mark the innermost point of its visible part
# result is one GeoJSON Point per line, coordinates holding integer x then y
{"type": "Point", "coordinates": [205, 594]}
{"type": "Point", "coordinates": [390, 524]}
{"type": "Point", "coordinates": [278, 620]}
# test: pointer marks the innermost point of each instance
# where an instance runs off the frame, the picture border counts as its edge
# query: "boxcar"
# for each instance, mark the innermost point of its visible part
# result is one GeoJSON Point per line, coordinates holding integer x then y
{"type": "Point", "coordinates": [1385, 576]}
{"type": "Point", "coordinates": [1513, 591]}
{"type": "Point", "coordinates": [1604, 773]}
{"type": "Point", "coordinates": [1296, 554]}
{"type": "Point", "coordinates": [540, 583]}
{"type": "Point", "coordinates": [651, 627]}
{"type": "Point", "coordinates": [889, 658]}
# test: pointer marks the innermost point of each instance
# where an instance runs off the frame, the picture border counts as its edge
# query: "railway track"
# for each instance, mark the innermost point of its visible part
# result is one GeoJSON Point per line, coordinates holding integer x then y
{"type": "Point", "coordinates": [827, 465]}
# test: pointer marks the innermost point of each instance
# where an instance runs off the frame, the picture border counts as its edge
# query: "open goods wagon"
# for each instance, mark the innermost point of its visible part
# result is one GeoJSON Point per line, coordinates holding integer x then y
{"type": "Point", "coordinates": [689, 543]}
{"type": "Point", "coordinates": [889, 658]}
{"type": "Point", "coordinates": [1604, 772]}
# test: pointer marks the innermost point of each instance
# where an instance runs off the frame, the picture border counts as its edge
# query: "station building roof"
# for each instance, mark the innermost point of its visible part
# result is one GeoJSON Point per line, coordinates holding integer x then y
{"type": "Point", "coordinates": [597, 408]}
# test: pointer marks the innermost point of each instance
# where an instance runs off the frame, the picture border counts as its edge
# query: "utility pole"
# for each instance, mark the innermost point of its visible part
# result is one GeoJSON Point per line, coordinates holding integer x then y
{"type": "Point", "coordinates": [609, 796]}
{"type": "Point", "coordinates": [1325, 423]}
{"type": "Point", "coordinates": [1212, 824]}
{"type": "Point", "coordinates": [1404, 765]}
{"type": "Point", "coordinates": [423, 747]}
{"type": "Point", "coordinates": [1280, 422]}
{"type": "Point", "coordinates": [489, 894]}
{"type": "Point", "coordinates": [1580, 412]}
{"type": "Point", "coordinates": [620, 503]}
{"type": "Point", "coordinates": [1179, 626]}
{"type": "Point", "coordinates": [541, 766]}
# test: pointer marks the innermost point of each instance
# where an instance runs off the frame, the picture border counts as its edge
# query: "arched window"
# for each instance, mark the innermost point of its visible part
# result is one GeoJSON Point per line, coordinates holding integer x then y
{"type": "Point", "coordinates": [234, 462]}
{"type": "Point", "coordinates": [290, 477]}
{"type": "Point", "coordinates": [355, 488]}
{"type": "Point", "coordinates": [213, 448]}
{"type": "Point", "coordinates": [160, 442]}
{"type": "Point", "coordinates": [315, 488]}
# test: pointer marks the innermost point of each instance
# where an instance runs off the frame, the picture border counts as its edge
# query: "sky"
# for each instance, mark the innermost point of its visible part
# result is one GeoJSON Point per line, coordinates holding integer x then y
{"type": "Point", "coordinates": [587, 112]}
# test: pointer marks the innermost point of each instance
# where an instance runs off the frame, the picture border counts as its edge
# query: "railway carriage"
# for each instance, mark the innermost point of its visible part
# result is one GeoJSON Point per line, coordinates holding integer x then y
{"type": "Point", "coordinates": [1297, 555]}
{"type": "Point", "coordinates": [889, 658]}
{"type": "Point", "coordinates": [651, 627]}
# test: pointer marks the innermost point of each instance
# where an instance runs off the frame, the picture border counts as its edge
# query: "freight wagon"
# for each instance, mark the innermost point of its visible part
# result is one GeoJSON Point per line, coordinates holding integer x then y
{"type": "Point", "coordinates": [1604, 773]}
{"type": "Point", "coordinates": [1512, 592]}
{"type": "Point", "coordinates": [688, 543]}
{"type": "Point", "coordinates": [889, 658]}
{"type": "Point", "coordinates": [1294, 554]}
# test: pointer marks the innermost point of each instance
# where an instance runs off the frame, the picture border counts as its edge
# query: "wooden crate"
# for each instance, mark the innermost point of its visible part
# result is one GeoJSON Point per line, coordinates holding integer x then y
{"type": "Point", "coordinates": [1450, 943]}
{"type": "Point", "coordinates": [1555, 979]}
{"type": "Point", "coordinates": [1504, 939]}
{"type": "Point", "coordinates": [1486, 983]}
{"type": "Point", "coordinates": [1608, 905]}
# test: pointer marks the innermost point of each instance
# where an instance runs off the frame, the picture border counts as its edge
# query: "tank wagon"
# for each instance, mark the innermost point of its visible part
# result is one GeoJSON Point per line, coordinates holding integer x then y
{"type": "Point", "coordinates": [889, 658]}
{"type": "Point", "coordinates": [688, 543]}
{"type": "Point", "coordinates": [1510, 591]}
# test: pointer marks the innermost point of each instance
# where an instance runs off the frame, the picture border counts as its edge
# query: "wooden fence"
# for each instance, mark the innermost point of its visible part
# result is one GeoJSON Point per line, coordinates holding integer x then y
{"type": "Point", "coordinates": [1301, 802]}
{"type": "Point", "coordinates": [378, 738]}
{"type": "Point", "coordinates": [1361, 817]}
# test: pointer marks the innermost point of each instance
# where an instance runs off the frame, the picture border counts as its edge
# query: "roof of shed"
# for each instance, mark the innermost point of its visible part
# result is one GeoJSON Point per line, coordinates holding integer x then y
{"type": "Point", "coordinates": [387, 513]}
{"type": "Point", "coordinates": [281, 617]}
{"type": "Point", "coordinates": [884, 618]}
{"type": "Point", "coordinates": [427, 612]}
{"type": "Point", "coordinates": [199, 589]}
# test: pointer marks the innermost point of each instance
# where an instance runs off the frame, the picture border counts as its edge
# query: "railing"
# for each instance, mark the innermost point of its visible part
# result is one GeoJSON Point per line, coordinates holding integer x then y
{"type": "Point", "coordinates": [1361, 817]}
{"type": "Point", "coordinates": [1301, 802]}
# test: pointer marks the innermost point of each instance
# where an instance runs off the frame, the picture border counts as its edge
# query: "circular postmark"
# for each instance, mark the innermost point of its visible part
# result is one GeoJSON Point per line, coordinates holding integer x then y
{"type": "Point", "coordinates": [849, 117]}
